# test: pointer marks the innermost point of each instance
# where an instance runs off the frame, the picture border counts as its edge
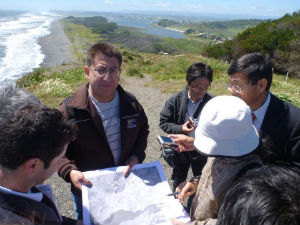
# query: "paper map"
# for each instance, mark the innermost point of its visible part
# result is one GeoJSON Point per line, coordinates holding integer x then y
{"type": "Point", "coordinates": [140, 198]}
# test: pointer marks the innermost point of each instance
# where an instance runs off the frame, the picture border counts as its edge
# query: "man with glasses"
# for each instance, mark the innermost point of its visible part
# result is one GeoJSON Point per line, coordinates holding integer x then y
{"type": "Point", "coordinates": [180, 115]}
{"type": "Point", "coordinates": [277, 121]}
{"type": "Point", "coordinates": [112, 125]}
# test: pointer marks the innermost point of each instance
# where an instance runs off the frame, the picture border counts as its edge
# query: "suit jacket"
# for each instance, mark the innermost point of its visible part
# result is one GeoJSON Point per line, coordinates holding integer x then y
{"type": "Point", "coordinates": [30, 210]}
{"type": "Point", "coordinates": [280, 132]}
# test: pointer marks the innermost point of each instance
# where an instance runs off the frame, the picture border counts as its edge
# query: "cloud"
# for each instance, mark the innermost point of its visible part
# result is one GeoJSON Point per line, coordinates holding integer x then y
{"type": "Point", "coordinates": [162, 4]}
{"type": "Point", "coordinates": [108, 2]}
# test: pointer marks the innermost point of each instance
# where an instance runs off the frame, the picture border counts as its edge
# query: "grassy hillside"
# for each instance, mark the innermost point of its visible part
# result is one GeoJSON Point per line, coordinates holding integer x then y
{"type": "Point", "coordinates": [167, 71]}
{"type": "Point", "coordinates": [127, 37]}
{"type": "Point", "coordinates": [279, 38]}
{"type": "Point", "coordinates": [223, 28]}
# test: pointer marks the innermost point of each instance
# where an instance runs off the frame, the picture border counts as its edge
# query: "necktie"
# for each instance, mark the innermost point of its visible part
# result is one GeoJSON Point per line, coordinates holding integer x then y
{"type": "Point", "coordinates": [253, 116]}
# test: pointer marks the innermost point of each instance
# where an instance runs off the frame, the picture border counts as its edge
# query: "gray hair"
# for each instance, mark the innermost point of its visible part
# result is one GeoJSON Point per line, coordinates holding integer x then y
{"type": "Point", "coordinates": [13, 98]}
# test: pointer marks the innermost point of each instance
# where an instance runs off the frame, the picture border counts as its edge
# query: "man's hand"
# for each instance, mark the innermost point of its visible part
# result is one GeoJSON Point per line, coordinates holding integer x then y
{"type": "Point", "coordinates": [176, 222]}
{"type": "Point", "coordinates": [185, 143]}
{"type": "Point", "coordinates": [187, 127]}
{"type": "Point", "coordinates": [180, 187]}
{"type": "Point", "coordinates": [133, 160]}
{"type": "Point", "coordinates": [77, 179]}
{"type": "Point", "coordinates": [188, 190]}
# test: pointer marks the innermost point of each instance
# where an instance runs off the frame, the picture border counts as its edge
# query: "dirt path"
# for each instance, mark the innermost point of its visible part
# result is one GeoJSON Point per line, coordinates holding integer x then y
{"type": "Point", "coordinates": [153, 101]}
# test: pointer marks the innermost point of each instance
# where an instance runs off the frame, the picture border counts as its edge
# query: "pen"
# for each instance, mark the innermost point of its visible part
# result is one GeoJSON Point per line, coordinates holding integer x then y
{"type": "Point", "coordinates": [178, 192]}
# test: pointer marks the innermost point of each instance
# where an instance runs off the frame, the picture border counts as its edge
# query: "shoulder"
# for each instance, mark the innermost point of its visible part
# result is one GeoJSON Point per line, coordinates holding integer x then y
{"type": "Point", "coordinates": [9, 217]}
{"type": "Point", "coordinates": [278, 106]}
{"type": "Point", "coordinates": [178, 97]}
{"type": "Point", "coordinates": [127, 98]}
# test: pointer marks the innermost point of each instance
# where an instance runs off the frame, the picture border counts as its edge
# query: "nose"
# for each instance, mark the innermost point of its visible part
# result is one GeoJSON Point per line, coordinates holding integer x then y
{"type": "Point", "coordinates": [233, 92]}
{"type": "Point", "coordinates": [107, 76]}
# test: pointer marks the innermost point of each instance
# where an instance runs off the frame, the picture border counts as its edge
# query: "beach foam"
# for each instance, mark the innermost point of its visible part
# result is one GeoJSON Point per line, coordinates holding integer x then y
{"type": "Point", "coordinates": [20, 50]}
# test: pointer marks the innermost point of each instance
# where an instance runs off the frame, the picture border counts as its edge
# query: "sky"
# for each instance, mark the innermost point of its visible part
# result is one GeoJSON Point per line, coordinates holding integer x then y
{"type": "Point", "coordinates": [266, 8]}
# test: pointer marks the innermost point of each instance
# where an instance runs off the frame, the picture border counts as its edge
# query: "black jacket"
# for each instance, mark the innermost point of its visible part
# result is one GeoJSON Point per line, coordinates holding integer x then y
{"type": "Point", "coordinates": [173, 114]}
{"type": "Point", "coordinates": [33, 211]}
{"type": "Point", "coordinates": [280, 132]}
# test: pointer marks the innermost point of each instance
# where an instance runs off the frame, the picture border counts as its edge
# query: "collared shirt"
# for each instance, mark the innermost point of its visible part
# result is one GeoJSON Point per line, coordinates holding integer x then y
{"type": "Point", "coordinates": [33, 196]}
{"type": "Point", "coordinates": [192, 107]}
{"type": "Point", "coordinates": [260, 113]}
{"type": "Point", "coordinates": [217, 176]}
{"type": "Point", "coordinates": [110, 116]}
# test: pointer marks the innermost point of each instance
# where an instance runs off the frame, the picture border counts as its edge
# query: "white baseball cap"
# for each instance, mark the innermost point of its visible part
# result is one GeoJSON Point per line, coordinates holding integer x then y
{"type": "Point", "coordinates": [225, 128]}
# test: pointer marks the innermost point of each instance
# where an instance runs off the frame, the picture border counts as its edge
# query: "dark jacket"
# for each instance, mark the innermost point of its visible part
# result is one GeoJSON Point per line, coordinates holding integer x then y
{"type": "Point", "coordinates": [33, 211]}
{"type": "Point", "coordinates": [91, 151]}
{"type": "Point", "coordinates": [280, 132]}
{"type": "Point", "coordinates": [173, 114]}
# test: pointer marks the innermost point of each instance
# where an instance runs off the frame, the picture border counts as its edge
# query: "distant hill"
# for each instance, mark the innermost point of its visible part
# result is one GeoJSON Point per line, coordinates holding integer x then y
{"type": "Point", "coordinates": [97, 24]}
{"type": "Point", "coordinates": [279, 39]}
{"type": "Point", "coordinates": [227, 28]}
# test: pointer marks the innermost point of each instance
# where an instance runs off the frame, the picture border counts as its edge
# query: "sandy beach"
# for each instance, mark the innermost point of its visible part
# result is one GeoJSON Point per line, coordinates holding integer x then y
{"type": "Point", "coordinates": [55, 47]}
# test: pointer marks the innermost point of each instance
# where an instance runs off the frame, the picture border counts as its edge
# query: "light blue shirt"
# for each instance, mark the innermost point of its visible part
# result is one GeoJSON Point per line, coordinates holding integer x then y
{"type": "Point", "coordinates": [33, 196]}
{"type": "Point", "coordinates": [192, 107]}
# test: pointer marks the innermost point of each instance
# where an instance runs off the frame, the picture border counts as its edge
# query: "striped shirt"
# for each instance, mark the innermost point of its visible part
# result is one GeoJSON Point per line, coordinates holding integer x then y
{"type": "Point", "coordinates": [110, 116]}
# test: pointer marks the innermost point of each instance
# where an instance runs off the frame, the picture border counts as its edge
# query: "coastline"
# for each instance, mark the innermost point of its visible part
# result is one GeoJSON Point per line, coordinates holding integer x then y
{"type": "Point", "coordinates": [55, 46]}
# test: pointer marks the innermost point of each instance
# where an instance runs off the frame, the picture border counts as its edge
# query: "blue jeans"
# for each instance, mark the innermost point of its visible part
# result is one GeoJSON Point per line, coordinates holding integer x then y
{"type": "Point", "coordinates": [77, 206]}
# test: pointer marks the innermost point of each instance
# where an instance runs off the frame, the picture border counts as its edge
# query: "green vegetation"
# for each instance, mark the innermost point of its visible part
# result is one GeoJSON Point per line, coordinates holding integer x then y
{"type": "Point", "coordinates": [166, 23]}
{"type": "Point", "coordinates": [98, 24]}
{"type": "Point", "coordinates": [167, 71]}
{"type": "Point", "coordinates": [97, 28]}
{"type": "Point", "coordinates": [279, 39]}
{"type": "Point", "coordinates": [220, 28]}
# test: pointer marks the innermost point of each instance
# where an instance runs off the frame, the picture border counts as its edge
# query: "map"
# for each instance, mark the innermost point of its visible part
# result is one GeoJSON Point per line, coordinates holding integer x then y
{"type": "Point", "coordinates": [140, 198]}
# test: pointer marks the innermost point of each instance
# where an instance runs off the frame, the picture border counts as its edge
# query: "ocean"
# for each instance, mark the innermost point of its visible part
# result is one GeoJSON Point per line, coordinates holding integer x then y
{"type": "Point", "coordinates": [20, 51]}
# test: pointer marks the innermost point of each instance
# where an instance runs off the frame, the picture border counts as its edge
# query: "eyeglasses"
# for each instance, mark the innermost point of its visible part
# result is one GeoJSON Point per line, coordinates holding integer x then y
{"type": "Point", "coordinates": [236, 88]}
{"type": "Point", "coordinates": [102, 71]}
{"type": "Point", "coordinates": [199, 87]}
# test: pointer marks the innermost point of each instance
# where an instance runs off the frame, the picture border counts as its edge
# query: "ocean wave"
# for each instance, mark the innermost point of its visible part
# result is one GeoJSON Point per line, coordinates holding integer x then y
{"type": "Point", "coordinates": [20, 51]}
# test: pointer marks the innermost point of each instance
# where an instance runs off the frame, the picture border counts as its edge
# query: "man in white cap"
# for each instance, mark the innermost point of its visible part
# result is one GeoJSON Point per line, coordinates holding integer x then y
{"type": "Point", "coordinates": [225, 134]}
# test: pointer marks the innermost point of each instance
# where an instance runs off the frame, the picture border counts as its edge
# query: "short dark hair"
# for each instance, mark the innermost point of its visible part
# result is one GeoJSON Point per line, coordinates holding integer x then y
{"type": "Point", "coordinates": [269, 195]}
{"type": "Point", "coordinates": [255, 66]}
{"type": "Point", "coordinates": [34, 132]}
{"type": "Point", "coordinates": [199, 69]}
{"type": "Point", "coordinates": [106, 49]}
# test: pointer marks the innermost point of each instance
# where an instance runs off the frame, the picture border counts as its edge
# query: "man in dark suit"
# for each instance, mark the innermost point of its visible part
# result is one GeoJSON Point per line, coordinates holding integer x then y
{"type": "Point", "coordinates": [33, 141]}
{"type": "Point", "coordinates": [277, 121]}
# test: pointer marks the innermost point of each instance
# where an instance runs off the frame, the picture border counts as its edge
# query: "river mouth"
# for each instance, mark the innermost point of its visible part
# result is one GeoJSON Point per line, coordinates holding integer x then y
{"type": "Point", "coordinates": [147, 26]}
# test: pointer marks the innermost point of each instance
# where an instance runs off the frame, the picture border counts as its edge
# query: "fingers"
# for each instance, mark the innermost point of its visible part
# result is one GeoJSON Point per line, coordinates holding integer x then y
{"type": "Point", "coordinates": [131, 162]}
{"type": "Point", "coordinates": [176, 222]}
{"type": "Point", "coordinates": [127, 170]}
{"type": "Point", "coordinates": [77, 179]}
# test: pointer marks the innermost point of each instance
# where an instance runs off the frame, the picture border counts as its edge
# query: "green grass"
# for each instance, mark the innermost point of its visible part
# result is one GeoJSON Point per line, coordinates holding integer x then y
{"type": "Point", "coordinates": [167, 71]}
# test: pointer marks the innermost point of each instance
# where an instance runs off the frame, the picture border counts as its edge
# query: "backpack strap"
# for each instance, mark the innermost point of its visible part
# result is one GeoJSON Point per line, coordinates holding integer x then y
{"type": "Point", "coordinates": [200, 106]}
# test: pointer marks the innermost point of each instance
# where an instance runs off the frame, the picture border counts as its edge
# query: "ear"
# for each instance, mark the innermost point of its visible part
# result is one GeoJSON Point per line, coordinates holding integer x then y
{"type": "Point", "coordinates": [87, 71]}
{"type": "Point", "coordinates": [262, 85]}
{"type": "Point", "coordinates": [32, 166]}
